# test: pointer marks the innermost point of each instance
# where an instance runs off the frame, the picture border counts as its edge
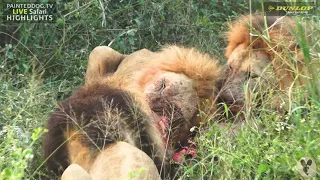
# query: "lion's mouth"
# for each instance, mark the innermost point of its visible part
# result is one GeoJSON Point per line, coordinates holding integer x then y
{"type": "Point", "coordinates": [166, 115]}
{"type": "Point", "coordinates": [169, 125]}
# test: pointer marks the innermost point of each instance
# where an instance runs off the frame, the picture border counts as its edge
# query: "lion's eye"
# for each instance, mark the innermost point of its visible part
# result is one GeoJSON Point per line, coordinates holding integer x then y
{"type": "Point", "coordinates": [252, 75]}
{"type": "Point", "coordinates": [162, 85]}
{"type": "Point", "coordinates": [230, 68]}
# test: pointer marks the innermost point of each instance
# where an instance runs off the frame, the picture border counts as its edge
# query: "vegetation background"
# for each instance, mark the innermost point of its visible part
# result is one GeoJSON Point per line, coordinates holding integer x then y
{"type": "Point", "coordinates": [41, 64]}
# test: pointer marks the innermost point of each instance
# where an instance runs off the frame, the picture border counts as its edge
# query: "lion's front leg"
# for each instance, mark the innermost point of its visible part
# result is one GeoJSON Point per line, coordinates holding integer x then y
{"type": "Point", "coordinates": [118, 161]}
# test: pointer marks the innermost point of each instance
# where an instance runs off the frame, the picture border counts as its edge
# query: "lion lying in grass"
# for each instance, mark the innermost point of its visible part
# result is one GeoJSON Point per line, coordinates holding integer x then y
{"type": "Point", "coordinates": [259, 47]}
{"type": "Point", "coordinates": [134, 112]}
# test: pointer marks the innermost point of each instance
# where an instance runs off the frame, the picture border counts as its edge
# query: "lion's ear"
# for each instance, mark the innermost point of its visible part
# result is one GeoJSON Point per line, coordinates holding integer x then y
{"type": "Point", "coordinates": [103, 61]}
{"type": "Point", "coordinates": [237, 34]}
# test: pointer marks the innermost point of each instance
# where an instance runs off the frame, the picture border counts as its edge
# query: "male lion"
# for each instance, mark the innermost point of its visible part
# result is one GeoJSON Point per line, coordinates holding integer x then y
{"type": "Point", "coordinates": [134, 112]}
{"type": "Point", "coordinates": [254, 43]}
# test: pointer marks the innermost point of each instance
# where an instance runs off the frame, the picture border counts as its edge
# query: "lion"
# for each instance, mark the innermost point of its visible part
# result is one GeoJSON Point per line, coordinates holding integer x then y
{"type": "Point", "coordinates": [261, 46]}
{"type": "Point", "coordinates": [133, 112]}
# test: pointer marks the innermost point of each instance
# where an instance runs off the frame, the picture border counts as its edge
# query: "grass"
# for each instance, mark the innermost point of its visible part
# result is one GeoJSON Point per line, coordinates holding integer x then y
{"type": "Point", "coordinates": [271, 142]}
{"type": "Point", "coordinates": [47, 62]}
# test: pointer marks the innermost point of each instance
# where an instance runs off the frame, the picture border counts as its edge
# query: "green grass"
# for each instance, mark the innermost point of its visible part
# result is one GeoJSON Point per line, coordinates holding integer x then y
{"type": "Point", "coordinates": [270, 143]}
{"type": "Point", "coordinates": [48, 61]}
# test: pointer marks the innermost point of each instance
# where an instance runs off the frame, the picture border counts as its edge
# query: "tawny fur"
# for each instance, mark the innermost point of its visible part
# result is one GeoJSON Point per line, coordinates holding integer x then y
{"type": "Point", "coordinates": [248, 30]}
{"type": "Point", "coordinates": [83, 122]}
{"type": "Point", "coordinates": [274, 36]}
{"type": "Point", "coordinates": [200, 67]}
